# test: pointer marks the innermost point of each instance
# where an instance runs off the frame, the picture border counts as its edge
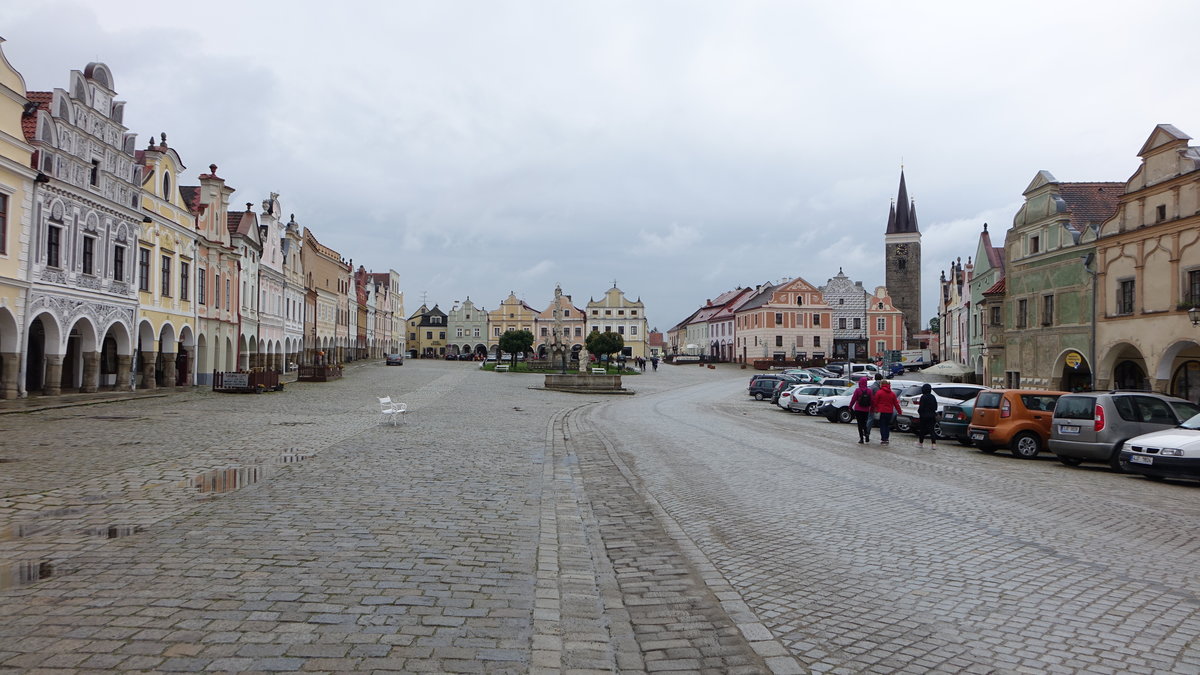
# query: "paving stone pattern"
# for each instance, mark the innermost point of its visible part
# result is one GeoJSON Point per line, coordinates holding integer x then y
{"type": "Point", "coordinates": [905, 559]}
{"type": "Point", "coordinates": [292, 531]}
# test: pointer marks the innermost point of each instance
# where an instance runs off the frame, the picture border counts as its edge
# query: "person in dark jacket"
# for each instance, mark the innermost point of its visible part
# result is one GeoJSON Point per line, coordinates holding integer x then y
{"type": "Point", "coordinates": [886, 406]}
{"type": "Point", "coordinates": [860, 403]}
{"type": "Point", "coordinates": [926, 416]}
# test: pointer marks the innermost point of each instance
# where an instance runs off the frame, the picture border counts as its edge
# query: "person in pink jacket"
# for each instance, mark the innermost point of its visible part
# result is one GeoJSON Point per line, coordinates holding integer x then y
{"type": "Point", "coordinates": [860, 403]}
{"type": "Point", "coordinates": [886, 406]}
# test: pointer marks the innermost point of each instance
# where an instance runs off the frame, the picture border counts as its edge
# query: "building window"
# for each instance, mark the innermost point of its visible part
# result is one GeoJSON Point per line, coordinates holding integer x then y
{"type": "Point", "coordinates": [497, 331]}
{"type": "Point", "coordinates": [1125, 297]}
{"type": "Point", "coordinates": [543, 331]}
{"type": "Point", "coordinates": [578, 331]}
{"type": "Point", "coordinates": [817, 320]}
{"type": "Point", "coordinates": [778, 318]}
{"type": "Point", "coordinates": [166, 276]}
{"type": "Point", "coordinates": [94, 177]}
{"type": "Point", "coordinates": [995, 315]}
{"type": "Point", "coordinates": [477, 332]}
{"type": "Point", "coordinates": [118, 262]}
{"type": "Point", "coordinates": [144, 269]}
{"type": "Point", "coordinates": [184, 269]}
{"type": "Point", "coordinates": [620, 312]}
{"type": "Point", "coordinates": [633, 330]}
{"type": "Point", "coordinates": [1160, 213]}
{"type": "Point", "coordinates": [880, 323]}
{"type": "Point", "coordinates": [608, 312]}
{"type": "Point", "coordinates": [227, 295]}
{"type": "Point", "coordinates": [816, 340]}
{"type": "Point", "coordinates": [1022, 313]}
{"type": "Point", "coordinates": [633, 312]}
{"type": "Point", "coordinates": [442, 335]}
{"type": "Point", "coordinates": [778, 340]}
{"type": "Point", "coordinates": [428, 335]}
{"type": "Point", "coordinates": [857, 323]}
{"type": "Point", "coordinates": [880, 346]}
{"type": "Point", "coordinates": [89, 254]}
{"type": "Point", "coordinates": [1035, 244]}
{"type": "Point", "coordinates": [3, 224]}
{"type": "Point", "coordinates": [1194, 288]}
{"type": "Point", "coordinates": [799, 340]}
{"type": "Point", "coordinates": [200, 296]}
{"type": "Point", "coordinates": [620, 330]}
{"type": "Point", "coordinates": [1047, 310]}
{"type": "Point", "coordinates": [53, 241]}
{"type": "Point", "coordinates": [1012, 379]}
{"type": "Point", "coordinates": [841, 324]}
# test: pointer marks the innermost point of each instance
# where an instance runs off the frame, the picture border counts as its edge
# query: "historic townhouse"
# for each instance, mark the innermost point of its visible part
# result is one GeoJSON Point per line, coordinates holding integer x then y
{"type": "Point", "coordinates": [988, 271]}
{"type": "Point", "coordinates": [788, 320]}
{"type": "Point", "coordinates": [887, 328]}
{"type": "Point", "coordinates": [617, 313]}
{"type": "Point", "coordinates": [468, 329]}
{"type": "Point", "coordinates": [295, 294]}
{"type": "Point", "coordinates": [166, 331]}
{"type": "Point", "coordinates": [273, 349]}
{"type": "Point", "coordinates": [427, 330]}
{"type": "Point", "coordinates": [389, 312]}
{"type": "Point", "coordinates": [721, 323]}
{"type": "Point", "coordinates": [244, 237]}
{"type": "Point", "coordinates": [849, 302]}
{"type": "Point", "coordinates": [327, 279]}
{"type": "Point", "coordinates": [676, 338]}
{"type": "Point", "coordinates": [1148, 273]}
{"type": "Point", "coordinates": [573, 323]}
{"type": "Point", "coordinates": [954, 312]}
{"type": "Point", "coordinates": [16, 207]}
{"type": "Point", "coordinates": [216, 277]}
{"type": "Point", "coordinates": [82, 301]}
{"type": "Point", "coordinates": [696, 334]}
{"type": "Point", "coordinates": [512, 314]}
{"type": "Point", "coordinates": [361, 314]}
{"type": "Point", "coordinates": [1045, 322]}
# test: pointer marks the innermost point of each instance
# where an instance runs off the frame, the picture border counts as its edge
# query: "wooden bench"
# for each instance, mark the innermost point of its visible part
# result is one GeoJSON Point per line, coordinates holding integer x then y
{"type": "Point", "coordinates": [501, 368]}
{"type": "Point", "coordinates": [599, 371]}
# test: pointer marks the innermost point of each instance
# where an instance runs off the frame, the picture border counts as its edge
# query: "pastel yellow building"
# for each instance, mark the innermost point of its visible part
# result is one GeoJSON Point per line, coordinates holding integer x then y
{"type": "Point", "coordinates": [512, 314]}
{"type": "Point", "coordinates": [16, 190]}
{"type": "Point", "coordinates": [166, 251]}
{"type": "Point", "coordinates": [615, 313]}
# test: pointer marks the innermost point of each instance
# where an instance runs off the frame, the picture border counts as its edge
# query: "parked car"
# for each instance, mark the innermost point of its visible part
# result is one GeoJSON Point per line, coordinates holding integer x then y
{"type": "Point", "coordinates": [804, 397]}
{"type": "Point", "coordinates": [1017, 419]}
{"type": "Point", "coordinates": [837, 408]}
{"type": "Point", "coordinates": [836, 382]}
{"type": "Point", "coordinates": [1170, 453]}
{"type": "Point", "coordinates": [803, 376]}
{"type": "Point", "coordinates": [944, 392]}
{"type": "Point", "coordinates": [764, 387]}
{"type": "Point", "coordinates": [954, 420]}
{"type": "Point", "coordinates": [1093, 427]}
{"type": "Point", "coordinates": [395, 359]}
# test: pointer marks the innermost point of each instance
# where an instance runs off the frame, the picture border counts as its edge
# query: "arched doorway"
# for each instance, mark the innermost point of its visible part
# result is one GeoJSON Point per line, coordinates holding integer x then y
{"type": "Point", "coordinates": [1185, 383]}
{"type": "Point", "coordinates": [1129, 375]}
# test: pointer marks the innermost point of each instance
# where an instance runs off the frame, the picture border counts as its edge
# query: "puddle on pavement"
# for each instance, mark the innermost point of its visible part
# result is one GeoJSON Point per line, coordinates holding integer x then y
{"type": "Point", "coordinates": [20, 531]}
{"type": "Point", "coordinates": [24, 572]}
{"type": "Point", "coordinates": [229, 479]}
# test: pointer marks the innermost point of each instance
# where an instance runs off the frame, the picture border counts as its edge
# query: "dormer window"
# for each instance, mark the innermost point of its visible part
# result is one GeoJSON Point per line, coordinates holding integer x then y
{"type": "Point", "coordinates": [1160, 213]}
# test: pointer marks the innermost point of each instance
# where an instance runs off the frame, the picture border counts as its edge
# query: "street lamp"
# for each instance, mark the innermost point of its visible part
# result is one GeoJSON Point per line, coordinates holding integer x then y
{"type": "Point", "coordinates": [1194, 315]}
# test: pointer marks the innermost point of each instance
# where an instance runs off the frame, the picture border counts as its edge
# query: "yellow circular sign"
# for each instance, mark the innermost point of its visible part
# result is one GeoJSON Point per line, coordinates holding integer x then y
{"type": "Point", "coordinates": [1073, 359]}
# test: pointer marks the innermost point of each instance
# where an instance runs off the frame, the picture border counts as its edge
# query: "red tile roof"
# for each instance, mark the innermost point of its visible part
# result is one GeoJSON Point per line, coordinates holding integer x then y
{"type": "Point", "coordinates": [996, 288]}
{"type": "Point", "coordinates": [1091, 202]}
{"type": "Point", "coordinates": [29, 122]}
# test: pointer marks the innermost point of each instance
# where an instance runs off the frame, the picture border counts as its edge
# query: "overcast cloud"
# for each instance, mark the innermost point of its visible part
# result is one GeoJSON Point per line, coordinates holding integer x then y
{"type": "Point", "coordinates": [680, 148]}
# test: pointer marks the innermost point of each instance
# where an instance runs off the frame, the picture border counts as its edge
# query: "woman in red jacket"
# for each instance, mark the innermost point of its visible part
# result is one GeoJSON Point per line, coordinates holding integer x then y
{"type": "Point", "coordinates": [886, 407]}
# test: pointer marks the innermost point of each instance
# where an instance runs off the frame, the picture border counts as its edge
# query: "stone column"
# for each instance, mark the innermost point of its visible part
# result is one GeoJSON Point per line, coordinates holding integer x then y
{"type": "Point", "coordinates": [12, 375]}
{"type": "Point", "coordinates": [53, 383]}
{"type": "Point", "coordinates": [169, 370]}
{"type": "Point", "coordinates": [91, 372]}
{"type": "Point", "coordinates": [148, 370]}
{"type": "Point", "coordinates": [124, 368]}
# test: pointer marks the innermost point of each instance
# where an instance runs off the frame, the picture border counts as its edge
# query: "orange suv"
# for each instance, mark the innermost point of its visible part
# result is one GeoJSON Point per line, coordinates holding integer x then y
{"type": "Point", "coordinates": [1018, 419]}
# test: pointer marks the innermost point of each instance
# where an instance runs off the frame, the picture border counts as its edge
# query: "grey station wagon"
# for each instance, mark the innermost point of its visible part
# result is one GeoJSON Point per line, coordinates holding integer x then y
{"type": "Point", "coordinates": [1092, 427]}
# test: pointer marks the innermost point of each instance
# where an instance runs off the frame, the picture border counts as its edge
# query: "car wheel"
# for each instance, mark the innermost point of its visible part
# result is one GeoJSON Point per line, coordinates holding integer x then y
{"type": "Point", "coordinates": [811, 409]}
{"type": "Point", "coordinates": [1070, 461]}
{"type": "Point", "coordinates": [937, 431]}
{"type": "Point", "coordinates": [845, 416]}
{"type": "Point", "coordinates": [1114, 460]}
{"type": "Point", "coordinates": [758, 397]}
{"type": "Point", "coordinates": [903, 427]}
{"type": "Point", "coordinates": [1026, 445]}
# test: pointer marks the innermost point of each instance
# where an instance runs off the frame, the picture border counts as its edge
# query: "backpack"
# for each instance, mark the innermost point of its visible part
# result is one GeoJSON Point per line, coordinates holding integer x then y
{"type": "Point", "coordinates": [864, 397]}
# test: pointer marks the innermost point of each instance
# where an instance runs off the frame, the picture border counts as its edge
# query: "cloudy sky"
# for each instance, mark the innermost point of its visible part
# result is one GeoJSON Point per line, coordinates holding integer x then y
{"type": "Point", "coordinates": [681, 148]}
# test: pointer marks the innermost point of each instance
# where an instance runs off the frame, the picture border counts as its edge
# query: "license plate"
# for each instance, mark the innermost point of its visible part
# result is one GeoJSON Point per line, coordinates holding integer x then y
{"type": "Point", "coordinates": [1068, 429]}
{"type": "Point", "coordinates": [978, 435]}
{"type": "Point", "coordinates": [1140, 459]}
{"type": "Point", "coordinates": [949, 416]}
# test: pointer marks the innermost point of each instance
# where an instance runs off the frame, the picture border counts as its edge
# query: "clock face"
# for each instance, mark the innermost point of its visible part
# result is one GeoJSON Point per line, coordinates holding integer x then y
{"type": "Point", "coordinates": [901, 250]}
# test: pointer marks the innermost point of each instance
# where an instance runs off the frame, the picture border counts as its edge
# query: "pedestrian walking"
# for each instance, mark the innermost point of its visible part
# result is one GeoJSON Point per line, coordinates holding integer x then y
{"type": "Point", "coordinates": [886, 406]}
{"type": "Point", "coordinates": [926, 416]}
{"type": "Point", "coordinates": [860, 403]}
{"type": "Point", "coordinates": [654, 363]}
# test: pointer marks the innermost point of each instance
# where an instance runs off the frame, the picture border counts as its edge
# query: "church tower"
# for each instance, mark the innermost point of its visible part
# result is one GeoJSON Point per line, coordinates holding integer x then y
{"type": "Point", "coordinates": [902, 255]}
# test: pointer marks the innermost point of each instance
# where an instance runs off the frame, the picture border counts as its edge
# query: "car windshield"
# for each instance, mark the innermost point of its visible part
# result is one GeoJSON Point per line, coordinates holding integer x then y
{"type": "Point", "coordinates": [1193, 423]}
{"type": "Point", "coordinates": [912, 390]}
{"type": "Point", "coordinates": [1185, 409]}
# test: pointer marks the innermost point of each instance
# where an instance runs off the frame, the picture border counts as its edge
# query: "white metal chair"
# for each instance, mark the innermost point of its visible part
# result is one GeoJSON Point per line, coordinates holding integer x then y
{"type": "Point", "coordinates": [390, 410]}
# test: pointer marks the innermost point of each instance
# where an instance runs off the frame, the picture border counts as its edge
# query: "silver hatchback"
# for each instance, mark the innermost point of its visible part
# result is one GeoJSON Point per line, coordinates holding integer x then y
{"type": "Point", "coordinates": [1092, 427]}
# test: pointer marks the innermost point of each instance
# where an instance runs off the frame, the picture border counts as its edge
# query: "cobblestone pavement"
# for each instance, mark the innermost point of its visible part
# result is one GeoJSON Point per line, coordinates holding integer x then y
{"type": "Point", "coordinates": [494, 531]}
{"type": "Point", "coordinates": [900, 559]}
